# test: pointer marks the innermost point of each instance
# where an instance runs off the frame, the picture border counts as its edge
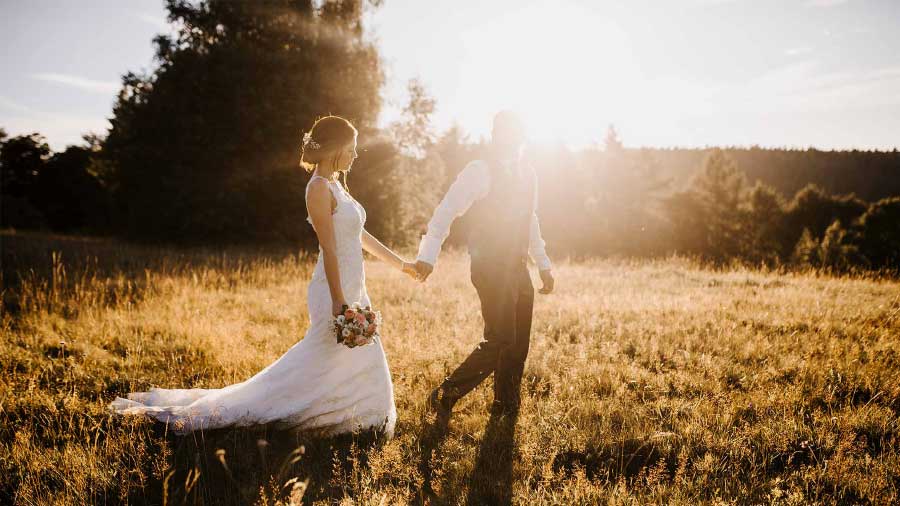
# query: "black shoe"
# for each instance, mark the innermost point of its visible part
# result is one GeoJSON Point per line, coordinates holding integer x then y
{"type": "Point", "coordinates": [441, 404]}
{"type": "Point", "coordinates": [499, 408]}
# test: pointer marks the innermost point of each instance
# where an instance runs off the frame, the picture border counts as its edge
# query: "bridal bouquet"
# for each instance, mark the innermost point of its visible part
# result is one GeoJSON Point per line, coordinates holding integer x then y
{"type": "Point", "coordinates": [357, 326]}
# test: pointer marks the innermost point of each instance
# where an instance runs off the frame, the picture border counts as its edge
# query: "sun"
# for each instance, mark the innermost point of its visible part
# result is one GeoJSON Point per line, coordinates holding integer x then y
{"type": "Point", "coordinates": [562, 67]}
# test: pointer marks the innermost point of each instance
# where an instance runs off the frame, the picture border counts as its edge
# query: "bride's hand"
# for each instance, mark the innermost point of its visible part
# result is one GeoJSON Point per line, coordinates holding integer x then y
{"type": "Point", "coordinates": [409, 268]}
{"type": "Point", "coordinates": [338, 307]}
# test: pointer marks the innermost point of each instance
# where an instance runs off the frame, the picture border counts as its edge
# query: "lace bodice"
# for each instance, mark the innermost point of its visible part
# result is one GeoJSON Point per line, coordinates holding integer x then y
{"type": "Point", "coordinates": [349, 218]}
{"type": "Point", "coordinates": [349, 215]}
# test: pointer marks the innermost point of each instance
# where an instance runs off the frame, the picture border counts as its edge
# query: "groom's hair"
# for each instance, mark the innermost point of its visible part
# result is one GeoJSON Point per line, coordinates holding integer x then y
{"type": "Point", "coordinates": [508, 128]}
{"type": "Point", "coordinates": [327, 135]}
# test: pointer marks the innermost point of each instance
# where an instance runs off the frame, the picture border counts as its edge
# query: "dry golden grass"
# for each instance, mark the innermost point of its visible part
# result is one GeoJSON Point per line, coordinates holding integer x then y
{"type": "Point", "coordinates": [648, 382]}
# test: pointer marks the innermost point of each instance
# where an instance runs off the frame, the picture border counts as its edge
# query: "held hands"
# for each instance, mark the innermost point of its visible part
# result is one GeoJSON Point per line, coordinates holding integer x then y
{"type": "Point", "coordinates": [409, 268]}
{"type": "Point", "coordinates": [548, 281]}
{"type": "Point", "coordinates": [419, 270]}
{"type": "Point", "coordinates": [423, 270]}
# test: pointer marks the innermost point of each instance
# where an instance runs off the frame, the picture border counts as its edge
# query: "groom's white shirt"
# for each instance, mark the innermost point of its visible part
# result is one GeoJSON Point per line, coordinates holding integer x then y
{"type": "Point", "coordinates": [473, 183]}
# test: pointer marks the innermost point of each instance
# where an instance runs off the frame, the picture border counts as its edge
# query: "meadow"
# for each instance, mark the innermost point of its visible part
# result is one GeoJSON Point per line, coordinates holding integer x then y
{"type": "Point", "coordinates": [647, 382]}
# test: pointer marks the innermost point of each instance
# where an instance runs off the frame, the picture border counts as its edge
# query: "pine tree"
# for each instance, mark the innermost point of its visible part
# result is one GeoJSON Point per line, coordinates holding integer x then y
{"type": "Point", "coordinates": [415, 175]}
{"type": "Point", "coordinates": [710, 214]}
{"type": "Point", "coordinates": [206, 147]}
{"type": "Point", "coordinates": [22, 158]}
{"type": "Point", "coordinates": [414, 133]}
{"type": "Point", "coordinates": [878, 238]}
{"type": "Point", "coordinates": [764, 221]}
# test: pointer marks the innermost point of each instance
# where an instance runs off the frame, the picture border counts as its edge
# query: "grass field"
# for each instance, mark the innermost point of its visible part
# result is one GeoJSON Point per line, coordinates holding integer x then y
{"type": "Point", "coordinates": [648, 382]}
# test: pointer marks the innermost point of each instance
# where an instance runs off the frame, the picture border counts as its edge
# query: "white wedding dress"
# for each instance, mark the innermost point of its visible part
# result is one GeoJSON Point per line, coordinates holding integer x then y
{"type": "Point", "coordinates": [317, 385]}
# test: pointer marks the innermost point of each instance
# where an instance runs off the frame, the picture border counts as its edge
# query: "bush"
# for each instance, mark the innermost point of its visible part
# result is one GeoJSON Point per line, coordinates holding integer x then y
{"type": "Point", "coordinates": [878, 236]}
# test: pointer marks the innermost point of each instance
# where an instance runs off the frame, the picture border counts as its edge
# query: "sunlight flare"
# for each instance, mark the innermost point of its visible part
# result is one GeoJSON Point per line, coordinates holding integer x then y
{"type": "Point", "coordinates": [552, 64]}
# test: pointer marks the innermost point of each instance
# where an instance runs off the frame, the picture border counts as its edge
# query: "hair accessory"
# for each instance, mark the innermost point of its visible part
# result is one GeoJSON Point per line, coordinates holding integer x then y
{"type": "Point", "coordinates": [308, 141]}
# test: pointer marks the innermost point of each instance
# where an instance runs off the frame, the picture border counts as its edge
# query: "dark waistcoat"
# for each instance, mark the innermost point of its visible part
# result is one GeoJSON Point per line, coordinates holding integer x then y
{"type": "Point", "coordinates": [499, 224]}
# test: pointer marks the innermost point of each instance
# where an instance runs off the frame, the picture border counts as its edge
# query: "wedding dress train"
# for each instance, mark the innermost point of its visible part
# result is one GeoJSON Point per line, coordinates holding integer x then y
{"type": "Point", "coordinates": [317, 384]}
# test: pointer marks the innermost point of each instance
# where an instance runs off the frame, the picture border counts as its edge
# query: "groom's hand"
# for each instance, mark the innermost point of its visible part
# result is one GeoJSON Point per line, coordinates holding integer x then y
{"type": "Point", "coordinates": [424, 270]}
{"type": "Point", "coordinates": [548, 281]}
{"type": "Point", "coordinates": [409, 269]}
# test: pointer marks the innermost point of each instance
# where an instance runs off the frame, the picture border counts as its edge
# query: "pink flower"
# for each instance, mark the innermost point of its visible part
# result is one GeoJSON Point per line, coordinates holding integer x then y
{"type": "Point", "coordinates": [371, 328]}
{"type": "Point", "coordinates": [348, 314]}
{"type": "Point", "coordinates": [361, 319]}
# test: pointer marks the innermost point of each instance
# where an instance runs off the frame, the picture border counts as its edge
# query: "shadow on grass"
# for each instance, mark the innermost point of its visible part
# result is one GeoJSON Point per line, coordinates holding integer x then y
{"type": "Point", "coordinates": [237, 466]}
{"type": "Point", "coordinates": [627, 459]}
{"type": "Point", "coordinates": [492, 474]}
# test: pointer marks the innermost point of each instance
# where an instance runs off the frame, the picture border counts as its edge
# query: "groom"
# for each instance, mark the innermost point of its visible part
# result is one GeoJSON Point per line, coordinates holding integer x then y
{"type": "Point", "coordinates": [500, 196]}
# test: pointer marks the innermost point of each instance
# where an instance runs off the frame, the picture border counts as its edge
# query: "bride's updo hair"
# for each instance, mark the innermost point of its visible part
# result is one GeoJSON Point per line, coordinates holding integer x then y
{"type": "Point", "coordinates": [328, 135]}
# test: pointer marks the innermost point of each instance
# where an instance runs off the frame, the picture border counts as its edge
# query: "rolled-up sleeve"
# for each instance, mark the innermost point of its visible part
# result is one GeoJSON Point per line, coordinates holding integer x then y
{"type": "Point", "coordinates": [536, 244]}
{"type": "Point", "coordinates": [472, 183]}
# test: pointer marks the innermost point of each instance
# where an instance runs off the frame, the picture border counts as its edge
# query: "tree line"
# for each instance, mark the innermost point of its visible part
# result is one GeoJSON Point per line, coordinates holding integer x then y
{"type": "Point", "coordinates": [205, 149]}
{"type": "Point", "coordinates": [611, 200]}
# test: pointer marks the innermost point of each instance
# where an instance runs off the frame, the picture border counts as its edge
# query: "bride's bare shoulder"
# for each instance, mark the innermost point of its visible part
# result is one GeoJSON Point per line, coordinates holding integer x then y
{"type": "Point", "coordinates": [317, 182]}
{"type": "Point", "coordinates": [474, 172]}
{"type": "Point", "coordinates": [317, 190]}
{"type": "Point", "coordinates": [320, 196]}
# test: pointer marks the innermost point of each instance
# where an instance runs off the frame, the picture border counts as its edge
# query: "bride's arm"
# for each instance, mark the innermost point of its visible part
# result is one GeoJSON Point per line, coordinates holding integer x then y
{"type": "Point", "coordinates": [383, 253]}
{"type": "Point", "coordinates": [318, 205]}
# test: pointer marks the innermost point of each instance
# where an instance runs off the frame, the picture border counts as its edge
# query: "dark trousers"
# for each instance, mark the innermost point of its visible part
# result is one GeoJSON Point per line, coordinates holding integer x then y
{"type": "Point", "coordinates": [507, 299]}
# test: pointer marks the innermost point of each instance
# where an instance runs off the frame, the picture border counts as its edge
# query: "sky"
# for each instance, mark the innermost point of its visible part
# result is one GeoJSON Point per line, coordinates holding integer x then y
{"type": "Point", "coordinates": [666, 73]}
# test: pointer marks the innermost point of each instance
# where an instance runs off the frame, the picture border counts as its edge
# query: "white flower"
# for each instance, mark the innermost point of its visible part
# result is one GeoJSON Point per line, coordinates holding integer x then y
{"type": "Point", "coordinates": [345, 332]}
{"type": "Point", "coordinates": [307, 141]}
{"type": "Point", "coordinates": [341, 318]}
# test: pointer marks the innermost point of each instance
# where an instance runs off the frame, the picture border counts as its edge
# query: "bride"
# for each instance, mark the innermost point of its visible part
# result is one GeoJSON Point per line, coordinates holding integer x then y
{"type": "Point", "coordinates": [318, 384]}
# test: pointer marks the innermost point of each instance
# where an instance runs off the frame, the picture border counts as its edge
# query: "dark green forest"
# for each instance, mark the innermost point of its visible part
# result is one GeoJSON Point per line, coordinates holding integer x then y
{"type": "Point", "coordinates": [205, 149]}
